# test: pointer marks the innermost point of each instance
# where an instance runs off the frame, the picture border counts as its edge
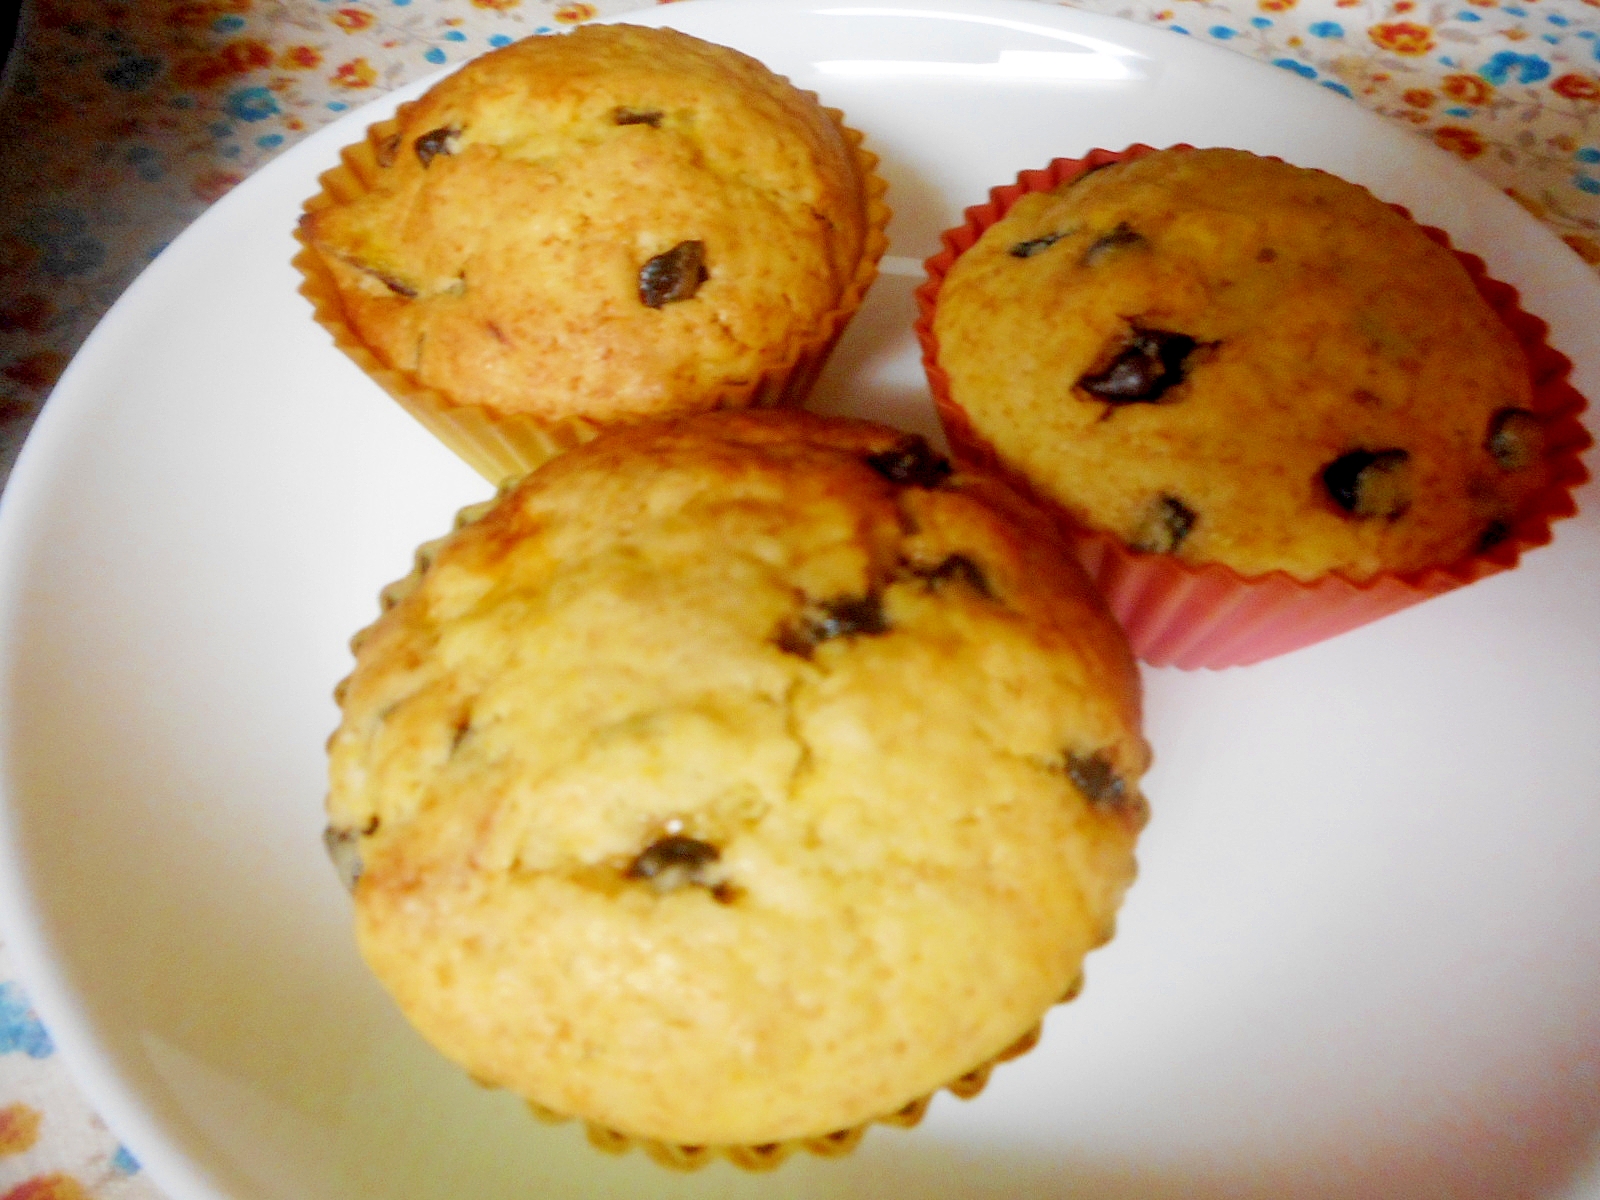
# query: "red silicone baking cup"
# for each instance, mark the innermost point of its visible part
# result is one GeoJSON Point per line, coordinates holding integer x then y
{"type": "Point", "coordinates": [1183, 615]}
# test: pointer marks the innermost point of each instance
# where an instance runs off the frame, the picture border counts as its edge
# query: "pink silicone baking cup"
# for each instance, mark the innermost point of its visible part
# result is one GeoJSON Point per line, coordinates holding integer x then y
{"type": "Point", "coordinates": [1208, 615]}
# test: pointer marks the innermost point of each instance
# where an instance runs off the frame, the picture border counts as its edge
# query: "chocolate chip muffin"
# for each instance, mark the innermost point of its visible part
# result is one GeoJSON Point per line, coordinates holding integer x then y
{"type": "Point", "coordinates": [581, 230]}
{"type": "Point", "coordinates": [1231, 360]}
{"type": "Point", "coordinates": [737, 780]}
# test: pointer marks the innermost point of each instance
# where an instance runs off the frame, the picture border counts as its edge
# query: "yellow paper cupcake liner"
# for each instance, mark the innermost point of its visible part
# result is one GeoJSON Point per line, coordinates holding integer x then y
{"type": "Point", "coordinates": [771, 1155]}
{"type": "Point", "coordinates": [499, 446]}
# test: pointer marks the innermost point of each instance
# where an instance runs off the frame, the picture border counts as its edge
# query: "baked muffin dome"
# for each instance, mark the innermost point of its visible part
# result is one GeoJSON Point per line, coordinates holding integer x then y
{"type": "Point", "coordinates": [612, 223]}
{"type": "Point", "coordinates": [738, 779]}
{"type": "Point", "coordinates": [1233, 360]}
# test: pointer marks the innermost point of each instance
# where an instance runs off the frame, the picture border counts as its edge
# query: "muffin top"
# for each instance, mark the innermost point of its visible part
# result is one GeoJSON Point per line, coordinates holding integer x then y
{"type": "Point", "coordinates": [1234, 360]}
{"type": "Point", "coordinates": [616, 222]}
{"type": "Point", "coordinates": [738, 779]}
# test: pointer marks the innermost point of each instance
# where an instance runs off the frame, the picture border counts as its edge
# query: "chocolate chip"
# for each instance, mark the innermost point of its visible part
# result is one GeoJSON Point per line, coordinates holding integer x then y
{"type": "Point", "coordinates": [1493, 534]}
{"type": "Point", "coordinates": [436, 142]}
{"type": "Point", "coordinates": [1266, 255]}
{"type": "Point", "coordinates": [344, 849]}
{"type": "Point", "coordinates": [636, 116]}
{"type": "Point", "coordinates": [674, 275]}
{"type": "Point", "coordinates": [1516, 439]}
{"type": "Point", "coordinates": [388, 149]}
{"type": "Point", "coordinates": [1143, 367]}
{"type": "Point", "coordinates": [1370, 483]}
{"type": "Point", "coordinates": [1120, 238]}
{"type": "Point", "coordinates": [1036, 245]}
{"type": "Point", "coordinates": [846, 616]}
{"type": "Point", "coordinates": [911, 462]}
{"type": "Point", "coordinates": [676, 861]}
{"type": "Point", "coordinates": [1165, 526]}
{"type": "Point", "coordinates": [1097, 779]}
{"type": "Point", "coordinates": [958, 568]}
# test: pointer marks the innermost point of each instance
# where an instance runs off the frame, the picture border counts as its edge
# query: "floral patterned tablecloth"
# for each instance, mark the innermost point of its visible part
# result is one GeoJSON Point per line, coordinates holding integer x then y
{"type": "Point", "coordinates": [121, 120]}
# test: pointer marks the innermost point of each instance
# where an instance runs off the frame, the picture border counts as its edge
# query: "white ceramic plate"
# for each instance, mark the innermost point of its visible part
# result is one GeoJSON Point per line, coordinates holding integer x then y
{"type": "Point", "coordinates": [1364, 955]}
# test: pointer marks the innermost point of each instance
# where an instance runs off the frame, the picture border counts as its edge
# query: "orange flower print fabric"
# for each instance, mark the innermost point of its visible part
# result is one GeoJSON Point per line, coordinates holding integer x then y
{"type": "Point", "coordinates": [353, 20]}
{"type": "Point", "coordinates": [357, 73]}
{"type": "Point", "coordinates": [1577, 87]}
{"type": "Point", "coordinates": [1467, 89]}
{"type": "Point", "coordinates": [1459, 140]}
{"type": "Point", "coordinates": [19, 1129]}
{"type": "Point", "coordinates": [1402, 37]}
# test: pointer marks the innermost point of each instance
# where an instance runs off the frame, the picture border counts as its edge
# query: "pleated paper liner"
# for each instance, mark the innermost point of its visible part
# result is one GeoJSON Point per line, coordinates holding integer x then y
{"type": "Point", "coordinates": [1208, 615]}
{"type": "Point", "coordinates": [498, 445]}
{"type": "Point", "coordinates": [771, 1155]}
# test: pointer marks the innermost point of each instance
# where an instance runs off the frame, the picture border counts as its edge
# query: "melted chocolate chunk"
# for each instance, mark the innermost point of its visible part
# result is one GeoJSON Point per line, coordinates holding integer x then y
{"type": "Point", "coordinates": [1120, 238]}
{"type": "Point", "coordinates": [676, 861]}
{"type": "Point", "coordinates": [388, 149]}
{"type": "Point", "coordinates": [1516, 439]}
{"type": "Point", "coordinates": [1143, 369]}
{"type": "Point", "coordinates": [1370, 483]}
{"type": "Point", "coordinates": [636, 116]}
{"type": "Point", "coordinates": [1165, 526]}
{"type": "Point", "coordinates": [1097, 779]}
{"type": "Point", "coordinates": [958, 568]}
{"type": "Point", "coordinates": [675, 275]}
{"type": "Point", "coordinates": [435, 142]}
{"type": "Point", "coordinates": [847, 616]}
{"type": "Point", "coordinates": [911, 462]}
{"type": "Point", "coordinates": [1493, 534]}
{"type": "Point", "coordinates": [1036, 245]}
{"type": "Point", "coordinates": [344, 849]}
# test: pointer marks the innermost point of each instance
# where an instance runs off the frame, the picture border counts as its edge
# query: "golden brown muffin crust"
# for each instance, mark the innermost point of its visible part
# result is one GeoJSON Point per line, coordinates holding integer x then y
{"type": "Point", "coordinates": [739, 779]}
{"type": "Point", "coordinates": [502, 258]}
{"type": "Point", "coordinates": [1240, 361]}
